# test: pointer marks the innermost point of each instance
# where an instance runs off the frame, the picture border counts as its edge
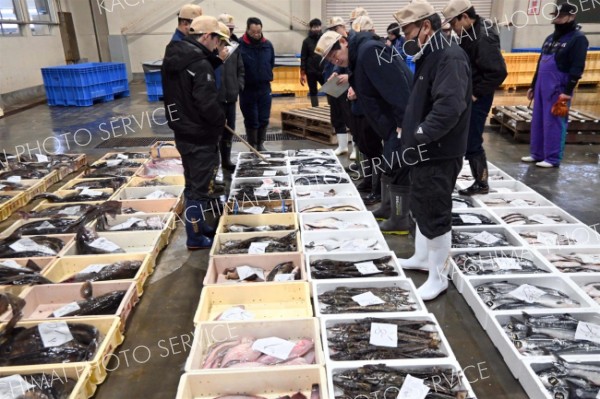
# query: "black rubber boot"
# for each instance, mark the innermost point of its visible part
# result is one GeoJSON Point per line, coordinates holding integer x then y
{"type": "Point", "coordinates": [252, 137]}
{"type": "Point", "coordinates": [365, 168]}
{"type": "Point", "coordinates": [398, 222]}
{"type": "Point", "coordinates": [385, 208]}
{"type": "Point", "coordinates": [261, 137]}
{"type": "Point", "coordinates": [225, 149]}
{"type": "Point", "coordinates": [478, 165]}
{"type": "Point", "coordinates": [314, 101]}
{"type": "Point", "coordinates": [375, 196]}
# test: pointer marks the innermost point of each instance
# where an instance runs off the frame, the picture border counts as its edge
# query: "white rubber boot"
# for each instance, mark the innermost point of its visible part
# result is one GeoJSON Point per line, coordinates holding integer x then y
{"type": "Point", "coordinates": [353, 154]}
{"type": "Point", "coordinates": [437, 281]}
{"type": "Point", "coordinates": [342, 144]}
{"type": "Point", "coordinates": [419, 260]}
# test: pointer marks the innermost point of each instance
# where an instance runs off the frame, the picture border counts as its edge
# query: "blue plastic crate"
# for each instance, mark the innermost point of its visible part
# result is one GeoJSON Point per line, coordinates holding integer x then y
{"type": "Point", "coordinates": [119, 86]}
{"type": "Point", "coordinates": [155, 91]}
{"type": "Point", "coordinates": [153, 77]}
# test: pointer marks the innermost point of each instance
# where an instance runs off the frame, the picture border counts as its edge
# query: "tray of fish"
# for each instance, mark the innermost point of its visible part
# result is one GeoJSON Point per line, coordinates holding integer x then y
{"type": "Point", "coordinates": [122, 163]}
{"type": "Point", "coordinates": [34, 247]}
{"type": "Point", "coordinates": [337, 221]}
{"type": "Point", "coordinates": [140, 156]}
{"type": "Point", "coordinates": [559, 236]}
{"type": "Point", "coordinates": [580, 260]}
{"type": "Point", "coordinates": [255, 243]}
{"type": "Point", "coordinates": [443, 378]}
{"type": "Point", "coordinates": [514, 200]}
{"type": "Point", "coordinates": [394, 339]}
{"type": "Point", "coordinates": [329, 191]}
{"type": "Point", "coordinates": [11, 201]}
{"type": "Point", "coordinates": [309, 382]}
{"type": "Point", "coordinates": [49, 210]}
{"type": "Point", "coordinates": [501, 186]}
{"type": "Point", "coordinates": [310, 152]}
{"type": "Point", "coordinates": [59, 381]}
{"type": "Point", "coordinates": [303, 168]}
{"type": "Point", "coordinates": [260, 164]}
{"type": "Point", "coordinates": [275, 301]}
{"type": "Point", "coordinates": [590, 284]}
{"type": "Point", "coordinates": [113, 268]}
{"type": "Point", "coordinates": [88, 242]}
{"type": "Point", "coordinates": [164, 149]}
{"type": "Point", "coordinates": [338, 298]}
{"type": "Point", "coordinates": [473, 217]}
{"type": "Point", "coordinates": [282, 268]}
{"type": "Point", "coordinates": [275, 155]}
{"type": "Point", "coordinates": [534, 216]}
{"type": "Point", "coordinates": [149, 193]}
{"type": "Point", "coordinates": [493, 175]}
{"type": "Point", "coordinates": [519, 336]}
{"type": "Point", "coordinates": [459, 202]}
{"type": "Point", "coordinates": [107, 172]}
{"type": "Point", "coordinates": [320, 205]}
{"type": "Point", "coordinates": [266, 183]}
{"type": "Point", "coordinates": [241, 345]}
{"type": "Point", "coordinates": [366, 240]}
{"type": "Point", "coordinates": [137, 222]}
{"type": "Point", "coordinates": [321, 179]}
{"type": "Point", "coordinates": [310, 161]}
{"type": "Point", "coordinates": [94, 184]}
{"type": "Point", "coordinates": [161, 167]}
{"type": "Point", "coordinates": [242, 172]}
{"type": "Point", "coordinates": [363, 266]}
{"type": "Point", "coordinates": [88, 340]}
{"type": "Point", "coordinates": [16, 274]}
{"type": "Point", "coordinates": [563, 377]}
{"type": "Point", "coordinates": [483, 237]}
{"type": "Point", "coordinates": [259, 192]}
{"type": "Point", "coordinates": [76, 196]}
{"type": "Point", "coordinates": [29, 227]}
{"type": "Point", "coordinates": [159, 181]}
{"type": "Point", "coordinates": [174, 205]}
{"type": "Point", "coordinates": [28, 172]}
{"type": "Point", "coordinates": [257, 223]}
{"type": "Point", "coordinates": [241, 207]}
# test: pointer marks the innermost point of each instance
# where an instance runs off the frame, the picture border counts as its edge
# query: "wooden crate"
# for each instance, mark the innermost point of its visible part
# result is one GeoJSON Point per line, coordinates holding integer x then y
{"type": "Point", "coordinates": [312, 123]}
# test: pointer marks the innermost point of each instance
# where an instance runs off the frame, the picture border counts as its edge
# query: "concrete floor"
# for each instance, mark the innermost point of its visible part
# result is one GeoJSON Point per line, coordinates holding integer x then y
{"type": "Point", "coordinates": [159, 335]}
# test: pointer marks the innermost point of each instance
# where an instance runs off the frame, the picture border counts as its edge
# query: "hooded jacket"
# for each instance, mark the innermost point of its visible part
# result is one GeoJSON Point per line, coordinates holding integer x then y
{"type": "Point", "coordinates": [310, 62]}
{"type": "Point", "coordinates": [436, 122]}
{"type": "Point", "coordinates": [381, 80]}
{"type": "Point", "coordinates": [190, 92]}
{"type": "Point", "coordinates": [232, 79]}
{"type": "Point", "coordinates": [259, 61]}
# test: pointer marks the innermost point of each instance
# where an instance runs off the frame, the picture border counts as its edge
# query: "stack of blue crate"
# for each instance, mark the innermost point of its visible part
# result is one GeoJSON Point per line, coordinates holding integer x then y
{"type": "Point", "coordinates": [154, 85]}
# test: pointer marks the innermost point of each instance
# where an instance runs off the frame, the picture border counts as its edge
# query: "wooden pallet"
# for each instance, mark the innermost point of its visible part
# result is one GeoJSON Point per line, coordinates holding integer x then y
{"type": "Point", "coordinates": [583, 127]}
{"type": "Point", "coordinates": [312, 123]}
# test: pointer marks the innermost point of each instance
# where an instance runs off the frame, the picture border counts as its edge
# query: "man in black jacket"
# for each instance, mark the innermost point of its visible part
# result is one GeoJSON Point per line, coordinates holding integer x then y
{"type": "Point", "coordinates": [311, 69]}
{"type": "Point", "coordinates": [196, 117]}
{"type": "Point", "coordinates": [434, 138]}
{"type": "Point", "coordinates": [482, 44]}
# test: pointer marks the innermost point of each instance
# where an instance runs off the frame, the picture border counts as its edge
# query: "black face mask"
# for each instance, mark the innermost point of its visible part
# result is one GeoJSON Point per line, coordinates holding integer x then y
{"type": "Point", "coordinates": [560, 30]}
{"type": "Point", "coordinates": [411, 47]}
{"type": "Point", "coordinates": [255, 41]}
{"type": "Point", "coordinates": [314, 34]}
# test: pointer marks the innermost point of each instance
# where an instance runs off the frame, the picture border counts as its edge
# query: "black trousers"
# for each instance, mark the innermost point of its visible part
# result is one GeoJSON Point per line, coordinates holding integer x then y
{"type": "Point", "coordinates": [230, 111]}
{"type": "Point", "coordinates": [312, 80]}
{"type": "Point", "coordinates": [200, 166]}
{"type": "Point", "coordinates": [341, 114]}
{"type": "Point", "coordinates": [365, 137]}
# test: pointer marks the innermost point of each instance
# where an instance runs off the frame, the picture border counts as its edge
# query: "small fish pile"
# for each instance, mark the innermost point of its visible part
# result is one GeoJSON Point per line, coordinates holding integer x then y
{"type": "Point", "coordinates": [575, 262]}
{"type": "Point", "coordinates": [30, 247]}
{"type": "Point", "coordinates": [39, 386]}
{"type": "Point", "coordinates": [262, 244]}
{"type": "Point", "coordinates": [311, 153]}
{"type": "Point", "coordinates": [242, 228]}
{"type": "Point", "coordinates": [58, 211]}
{"type": "Point", "coordinates": [470, 219]}
{"type": "Point", "coordinates": [88, 242]}
{"type": "Point", "coordinates": [544, 335]}
{"type": "Point", "coordinates": [311, 194]}
{"type": "Point", "coordinates": [352, 245]}
{"type": "Point", "coordinates": [81, 196]}
{"type": "Point", "coordinates": [249, 192]}
{"type": "Point", "coordinates": [110, 171]}
{"type": "Point", "coordinates": [122, 270]}
{"type": "Point", "coordinates": [152, 183]}
{"type": "Point", "coordinates": [546, 238]}
{"type": "Point", "coordinates": [571, 380]}
{"type": "Point", "coordinates": [274, 207]}
{"type": "Point", "coordinates": [330, 268]}
{"type": "Point", "coordinates": [303, 169]}
{"type": "Point", "coordinates": [285, 271]}
{"type": "Point", "coordinates": [266, 154]}
{"type": "Point", "coordinates": [379, 381]}
{"type": "Point", "coordinates": [320, 179]}
{"type": "Point", "coordinates": [239, 353]}
{"type": "Point", "coordinates": [593, 290]}
{"type": "Point", "coordinates": [128, 155]}
{"type": "Point", "coordinates": [132, 224]}
{"type": "Point", "coordinates": [114, 183]}
{"type": "Point", "coordinates": [508, 202]}
{"type": "Point", "coordinates": [468, 239]}
{"type": "Point", "coordinates": [260, 164]}
{"type": "Point", "coordinates": [461, 203]}
{"type": "Point", "coordinates": [298, 395]}
{"type": "Point", "coordinates": [332, 223]}
{"type": "Point", "coordinates": [314, 161]}
{"type": "Point", "coordinates": [122, 163]}
{"type": "Point", "coordinates": [475, 264]}
{"type": "Point", "coordinates": [520, 219]}
{"type": "Point", "coordinates": [334, 208]}
{"type": "Point", "coordinates": [106, 304]}
{"type": "Point", "coordinates": [340, 300]}
{"type": "Point", "coordinates": [416, 339]}
{"type": "Point", "coordinates": [4, 198]}
{"type": "Point", "coordinates": [12, 273]}
{"type": "Point", "coordinates": [503, 295]}
{"type": "Point", "coordinates": [25, 172]}
{"type": "Point", "coordinates": [253, 172]}
{"type": "Point", "coordinates": [12, 186]}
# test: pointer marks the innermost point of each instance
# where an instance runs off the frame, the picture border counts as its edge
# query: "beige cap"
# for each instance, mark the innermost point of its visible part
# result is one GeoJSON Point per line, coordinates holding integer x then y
{"type": "Point", "coordinates": [455, 8]}
{"type": "Point", "coordinates": [413, 12]}
{"type": "Point", "coordinates": [358, 12]}
{"type": "Point", "coordinates": [207, 24]}
{"type": "Point", "coordinates": [224, 30]}
{"type": "Point", "coordinates": [227, 20]}
{"type": "Point", "coordinates": [335, 21]}
{"type": "Point", "coordinates": [190, 11]}
{"type": "Point", "coordinates": [326, 43]}
{"type": "Point", "coordinates": [363, 24]}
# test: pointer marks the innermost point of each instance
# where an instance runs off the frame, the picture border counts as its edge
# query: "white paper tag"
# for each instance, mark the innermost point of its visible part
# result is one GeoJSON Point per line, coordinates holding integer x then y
{"type": "Point", "coordinates": [413, 388]}
{"type": "Point", "coordinates": [270, 173]}
{"type": "Point", "coordinates": [261, 192]}
{"type": "Point", "coordinates": [276, 347]}
{"type": "Point", "coordinates": [507, 263]}
{"type": "Point", "coordinates": [266, 155]}
{"type": "Point", "coordinates": [588, 332]}
{"type": "Point", "coordinates": [590, 259]}
{"type": "Point", "coordinates": [2, 186]}
{"type": "Point", "coordinates": [91, 193]}
{"type": "Point", "coordinates": [263, 163]}
{"type": "Point", "coordinates": [81, 188]}
{"type": "Point", "coordinates": [459, 205]}
{"type": "Point", "coordinates": [104, 244]}
{"type": "Point", "coordinates": [27, 244]}
{"type": "Point", "coordinates": [527, 293]}
{"type": "Point", "coordinates": [95, 268]}
{"type": "Point", "coordinates": [71, 211]}
{"type": "Point", "coordinates": [519, 203]}
{"type": "Point", "coordinates": [317, 194]}
{"type": "Point", "coordinates": [470, 219]}
{"type": "Point", "coordinates": [486, 238]}
{"type": "Point", "coordinates": [68, 308]}
{"type": "Point", "coordinates": [254, 210]}
{"type": "Point", "coordinates": [366, 268]}
{"type": "Point", "coordinates": [14, 179]}
{"type": "Point", "coordinates": [367, 299]}
{"type": "Point", "coordinates": [541, 219]}
{"type": "Point", "coordinates": [384, 335]}
{"type": "Point", "coordinates": [258, 247]}
{"type": "Point", "coordinates": [122, 156]}
{"type": "Point", "coordinates": [127, 224]}
{"type": "Point", "coordinates": [45, 225]}
{"type": "Point", "coordinates": [12, 265]}
{"type": "Point", "coordinates": [41, 158]}
{"type": "Point", "coordinates": [13, 386]}
{"type": "Point", "coordinates": [114, 162]}
{"type": "Point", "coordinates": [247, 271]}
{"type": "Point", "coordinates": [236, 314]}
{"type": "Point", "coordinates": [55, 334]}
{"type": "Point", "coordinates": [546, 238]}
{"type": "Point", "coordinates": [503, 190]}
{"type": "Point", "coordinates": [158, 194]}
{"type": "Point", "coordinates": [285, 277]}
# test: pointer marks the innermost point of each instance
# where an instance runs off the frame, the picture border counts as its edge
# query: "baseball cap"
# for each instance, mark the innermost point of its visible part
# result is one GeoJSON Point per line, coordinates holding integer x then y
{"type": "Point", "coordinates": [455, 8]}
{"type": "Point", "coordinates": [326, 43]}
{"type": "Point", "coordinates": [335, 21]}
{"type": "Point", "coordinates": [358, 12]}
{"type": "Point", "coordinates": [363, 24]}
{"type": "Point", "coordinates": [413, 12]}
{"type": "Point", "coordinates": [190, 11]}
{"type": "Point", "coordinates": [207, 24]}
{"type": "Point", "coordinates": [224, 30]}
{"type": "Point", "coordinates": [227, 20]}
{"type": "Point", "coordinates": [564, 9]}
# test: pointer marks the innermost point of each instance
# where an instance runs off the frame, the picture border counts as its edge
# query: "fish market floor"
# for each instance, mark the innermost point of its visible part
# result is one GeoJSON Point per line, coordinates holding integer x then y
{"type": "Point", "coordinates": [159, 335]}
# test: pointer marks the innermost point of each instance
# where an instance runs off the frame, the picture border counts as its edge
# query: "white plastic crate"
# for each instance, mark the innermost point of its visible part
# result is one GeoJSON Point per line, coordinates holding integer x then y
{"type": "Point", "coordinates": [582, 279]}
{"type": "Point", "coordinates": [20, 223]}
{"type": "Point", "coordinates": [303, 205]}
{"type": "Point", "coordinates": [331, 179]}
{"type": "Point", "coordinates": [84, 388]}
{"type": "Point", "coordinates": [67, 240]}
{"type": "Point", "coordinates": [546, 252]}
{"type": "Point", "coordinates": [513, 200]}
{"type": "Point", "coordinates": [283, 219]}
{"type": "Point", "coordinates": [544, 211]}
{"type": "Point", "coordinates": [321, 191]}
{"type": "Point", "coordinates": [354, 257]}
{"type": "Point", "coordinates": [347, 221]}
{"type": "Point", "coordinates": [512, 238]}
{"type": "Point", "coordinates": [477, 211]}
{"type": "Point", "coordinates": [344, 239]}
{"type": "Point", "coordinates": [580, 233]}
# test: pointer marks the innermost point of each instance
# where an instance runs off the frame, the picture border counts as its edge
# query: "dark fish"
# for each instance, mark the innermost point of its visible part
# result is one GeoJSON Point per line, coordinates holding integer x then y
{"type": "Point", "coordinates": [124, 163]}
{"type": "Point", "coordinates": [4, 198]}
{"type": "Point", "coordinates": [111, 171]}
{"type": "Point", "coordinates": [250, 194]}
{"type": "Point", "coordinates": [339, 300]}
{"type": "Point", "coordinates": [252, 172]}
{"type": "Point", "coordinates": [48, 386]}
{"type": "Point", "coordinates": [106, 304]}
{"type": "Point", "coordinates": [320, 179]}
{"type": "Point", "coordinates": [241, 228]}
{"type": "Point", "coordinates": [129, 155]}
{"type": "Point", "coordinates": [283, 244]}
{"type": "Point", "coordinates": [282, 268]}
{"type": "Point", "coordinates": [266, 154]}
{"type": "Point", "coordinates": [260, 164]}
{"type": "Point", "coordinates": [58, 211]}
{"type": "Point", "coordinates": [74, 197]}
{"type": "Point", "coordinates": [87, 291]}
{"type": "Point", "coordinates": [315, 161]}
{"type": "Point", "coordinates": [470, 219]}
{"type": "Point", "coordinates": [480, 239]}
{"type": "Point", "coordinates": [25, 173]}
{"type": "Point", "coordinates": [123, 270]}
{"type": "Point", "coordinates": [11, 186]}
{"type": "Point", "coordinates": [46, 246]}
{"type": "Point", "coordinates": [114, 183]}
{"type": "Point", "coordinates": [305, 169]}
{"type": "Point", "coordinates": [87, 242]}
{"type": "Point", "coordinates": [329, 268]}
{"type": "Point", "coordinates": [28, 274]}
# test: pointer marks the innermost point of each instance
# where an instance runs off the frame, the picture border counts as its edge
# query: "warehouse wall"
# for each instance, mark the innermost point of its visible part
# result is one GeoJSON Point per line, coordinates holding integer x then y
{"type": "Point", "coordinates": [84, 28]}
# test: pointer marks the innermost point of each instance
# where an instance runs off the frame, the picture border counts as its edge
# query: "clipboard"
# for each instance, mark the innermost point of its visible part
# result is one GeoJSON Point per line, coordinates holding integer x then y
{"type": "Point", "coordinates": [333, 89]}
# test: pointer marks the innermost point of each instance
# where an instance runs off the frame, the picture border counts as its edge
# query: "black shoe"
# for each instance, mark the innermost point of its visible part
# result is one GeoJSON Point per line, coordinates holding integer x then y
{"type": "Point", "coordinates": [476, 188]}
{"type": "Point", "coordinates": [365, 186]}
{"type": "Point", "coordinates": [228, 166]}
{"type": "Point", "coordinates": [479, 170]}
{"type": "Point", "coordinates": [372, 199]}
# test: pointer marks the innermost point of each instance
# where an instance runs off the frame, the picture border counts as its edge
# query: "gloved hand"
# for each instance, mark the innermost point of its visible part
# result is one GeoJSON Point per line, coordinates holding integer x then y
{"type": "Point", "coordinates": [560, 108]}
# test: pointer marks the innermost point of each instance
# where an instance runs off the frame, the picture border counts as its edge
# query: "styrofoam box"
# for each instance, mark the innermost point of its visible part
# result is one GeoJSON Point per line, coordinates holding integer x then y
{"type": "Point", "coordinates": [354, 257]}
{"type": "Point", "coordinates": [20, 223]}
{"type": "Point", "coordinates": [478, 211]}
{"type": "Point", "coordinates": [154, 206]}
{"type": "Point", "coordinates": [540, 201]}
{"type": "Point", "coordinates": [355, 221]}
{"type": "Point", "coordinates": [581, 279]}
{"type": "Point", "coordinates": [83, 389]}
{"type": "Point", "coordinates": [218, 264]}
{"type": "Point", "coordinates": [531, 211]}
{"type": "Point", "coordinates": [582, 234]}
{"type": "Point", "coordinates": [266, 173]}
{"type": "Point", "coordinates": [336, 178]}
{"type": "Point", "coordinates": [341, 191]}
{"type": "Point", "coordinates": [64, 193]}
{"type": "Point", "coordinates": [222, 238]}
{"type": "Point", "coordinates": [176, 180]}
{"type": "Point", "coordinates": [330, 156]}
{"type": "Point", "coordinates": [329, 151]}
{"type": "Point", "coordinates": [64, 268]}
{"type": "Point", "coordinates": [139, 193]}
{"type": "Point", "coordinates": [284, 219]}
{"type": "Point", "coordinates": [275, 194]}
{"type": "Point", "coordinates": [67, 239]}
{"type": "Point", "coordinates": [200, 385]}
{"type": "Point", "coordinates": [144, 242]}
{"type": "Point", "coordinates": [207, 334]}
{"type": "Point", "coordinates": [238, 181]}
{"type": "Point", "coordinates": [341, 236]}
{"type": "Point", "coordinates": [310, 170]}
{"type": "Point", "coordinates": [167, 219]}
{"type": "Point", "coordinates": [327, 322]}
{"type": "Point", "coordinates": [513, 239]}
{"type": "Point", "coordinates": [356, 202]}
{"type": "Point", "coordinates": [493, 175]}
{"type": "Point", "coordinates": [502, 186]}
{"type": "Point", "coordinates": [275, 301]}
{"type": "Point", "coordinates": [456, 206]}
{"type": "Point", "coordinates": [42, 300]}
{"type": "Point", "coordinates": [322, 286]}
{"type": "Point", "coordinates": [514, 360]}
{"type": "Point", "coordinates": [69, 185]}
{"type": "Point", "coordinates": [229, 208]}
{"type": "Point", "coordinates": [460, 279]}
{"type": "Point", "coordinates": [433, 363]}
{"type": "Point", "coordinates": [555, 281]}
{"type": "Point", "coordinates": [42, 263]}
{"type": "Point", "coordinates": [245, 154]}
{"type": "Point", "coordinates": [565, 250]}
{"type": "Point", "coordinates": [111, 338]}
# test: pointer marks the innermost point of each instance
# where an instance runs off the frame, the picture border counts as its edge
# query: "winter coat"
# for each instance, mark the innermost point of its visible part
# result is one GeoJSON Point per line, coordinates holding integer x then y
{"type": "Point", "coordinates": [439, 109]}
{"type": "Point", "coordinates": [259, 61]}
{"type": "Point", "coordinates": [232, 80]}
{"type": "Point", "coordinates": [190, 92]}
{"type": "Point", "coordinates": [310, 62]}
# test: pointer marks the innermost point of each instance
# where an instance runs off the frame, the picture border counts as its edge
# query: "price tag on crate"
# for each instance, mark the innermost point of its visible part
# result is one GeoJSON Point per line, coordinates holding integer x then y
{"type": "Point", "coordinates": [258, 247]}
{"type": "Point", "coordinates": [413, 388]}
{"type": "Point", "coordinates": [14, 179]}
{"type": "Point", "coordinates": [41, 158]}
{"type": "Point", "coordinates": [245, 272]}
{"type": "Point", "coordinates": [114, 162]}
{"type": "Point", "coordinates": [368, 299]}
{"type": "Point", "coordinates": [486, 238]}
{"type": "Point", "coordinates": [91, 193]}
{"type": "Point", "coordinates": [14, 386]}
{"type": "Point", "coordinates": [94, 268]}
{"type": "Point", "coordinates": [2, 186]}
{"type": "Point", "coordinates": [261, 192]}
{"type": "Point", "coordinates": [503, 190]}
{"type": "Point", "coordinates": [127, 224]}
{"type": "Point", "coordinates": [236, 313]}
{"type": "Point", "coordinates": [255, 210]}
{"type": "Point", "coordinates": [527, 293]}
{"type": "Point", "coordinates": [541, 219]}
{"type": "Point", "coordinates": [470, 219]}
{"type": "Point", "coordinates": [68, 308]}
{"type": "Point", "coordinates": [158, 194]}
{"type": "Point", "coordinates": [71, 211]}
{"type": "Point", "coordinates": [276, 347]}
{"type": "Point", "coordinates": [27, 244]}
{"type": "Point", "coordinates": [459, 205]}
{"type": "Point", "coordinates": [104, 244]}
{"type": "Point", "coordinates": [588, 332]}
{"type": "Point", "coordinates": [45, 225]}
{"type": "Point", "coordinates": [367, 268]}
{"type": "Point", "coordinates": [270, 173]}
{"type": "Point", "coordinates": [383, 334]}
{"type": "Point", "coordinates": [547, 238]}
{"type": "Point", "coordinates": [122, 156]}
{"type": "Point", "coordinates": [519, 203]}
{"type": "Point", "coordinates": [11, 264]}
{"type": "Point", "coordinates": [285, 277]}
{"type": "Point", "coordinates": [55, 333]}
{"type": "Point", "coordinates": [590, 259]}
{"type": "Point", "coordinates": [507, 263]}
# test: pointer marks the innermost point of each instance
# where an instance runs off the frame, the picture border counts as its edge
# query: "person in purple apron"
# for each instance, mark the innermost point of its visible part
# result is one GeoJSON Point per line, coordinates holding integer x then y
{"type": "Point", "coordinates": [560, 67]}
